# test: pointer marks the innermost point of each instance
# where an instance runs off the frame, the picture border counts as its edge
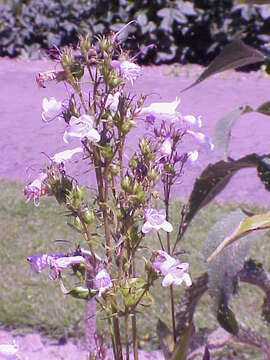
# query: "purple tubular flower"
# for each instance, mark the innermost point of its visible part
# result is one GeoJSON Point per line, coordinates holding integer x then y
{"type": "Point", "coordinates": [166, 147]}
{"type": "Point", "coordinates": [36, 188]}
{"type": "Point", "coordinates": [156, 220]}
{"type": "Point", "coordinates": [51, 109]}
{"type": "Point", "coordinates": [174, 272]}
{"type": "Point", "coordinates": [164, 110]}
{"type": "Point", "coordinates": [63, 156]}
{"type": "Point", "coordinates": [61, 263]}
{"type": "Point", "coordinates": [128, 70]}
{"type": "Point", "coordinates": [102, 281]}
{"type": "Point", "coordinates": [192, 156]}
{"type": "Point", "coordinates": [202, 138]}
{"type": "Point", "coordinates": [113, 101]}
{"type": "Point", "coordinates": [56, 263]}
{"type": "Point", "coordinates": [42, 261]}
{"type": "Point", "coordinates": [81, 127]}
{"type": "Point", "coordinates": [192, 120]}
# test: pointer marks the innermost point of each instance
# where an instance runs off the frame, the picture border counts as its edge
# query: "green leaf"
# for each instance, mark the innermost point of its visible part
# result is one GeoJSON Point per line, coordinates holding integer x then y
{"type": "Point", "coordinates": [165, 339]}
{"type": "Point", "coordinates": [222, 132]}
{"type": "Point", "coordinates": [232, 56]}
{"type": "Point", "coordinates": [213, 180]}
{"type": "Point", "coordinates": [246, 226]}
{"type": "Point", "coordinates": [264, 171]}
{"type": "Point", "coordinates": [181, 347]}
{"type": "Point", "coordinates": [226, 319]}
{"type": "Point", "coordinates": [264, 108]}
{"type": "Point", "coordinates": [79, 292]}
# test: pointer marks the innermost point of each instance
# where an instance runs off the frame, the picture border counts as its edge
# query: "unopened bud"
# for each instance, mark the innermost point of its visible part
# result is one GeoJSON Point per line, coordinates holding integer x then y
{"type": "Point", "coordinates": [88, 216]}
{"type": "Point", "coordinates": [127, 185]}
{"type": "Point", "coordinates": [133, 163]}
{"type": "Point", "coordinates": [127, 126]}
{"type": "Point", "coordinates": [145, 147]}
{"type": "Point", "coordinates": [77, 196]}
{"type": "Point", "coordinates": [107, 152]}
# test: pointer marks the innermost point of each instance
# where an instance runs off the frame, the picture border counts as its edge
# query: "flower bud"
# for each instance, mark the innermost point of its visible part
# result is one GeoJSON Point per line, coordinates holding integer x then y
{"type": "Point", "coordinates": [127, 185]}
{"type": "Point", "coordinates": [77, 69]}
{"type": "Point", "coordinates": [137, 188]}
{"type": "Point", "coordinates": [115, 81]}
{"type": "Point", "coordinates": [133, 163]}
{"type": "Point", "coordinates": [107, 152]}
{"type": "Point", "coordinates": [105, 45]}
{"type": "Point", "coordinates": [66, 59]}
{"type": "Point", "coordinates": [114, 169]}
{"type": "Point", "coordinates": [152, 175]}
{"type": "Point", "coordinates": [76, 224]}
{"type": "Point", "coordinates": [85, 44]}
{"type": "Point", "coordinates": [77, 196]}
{"type": "Point", "coordinates": [88, 216]}
{"type": "Point", "coordinates": [140, 197]}
{"type": "Point", "coordinates": [145, 147]}
{"type": "Point", "coordinates": [127, 126]}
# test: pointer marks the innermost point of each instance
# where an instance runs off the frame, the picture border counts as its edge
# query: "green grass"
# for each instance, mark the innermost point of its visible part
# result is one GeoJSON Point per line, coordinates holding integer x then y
{"type": "Point", "coordinates": [30, 301]}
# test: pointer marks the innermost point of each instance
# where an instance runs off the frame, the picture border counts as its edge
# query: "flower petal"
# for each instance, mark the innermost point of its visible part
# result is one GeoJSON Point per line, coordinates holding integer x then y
{"type": "Point", "coordinates": [166, 226]}
{"type": "Point", "coordinates": [146, 227]}
{"type": "Point", "coordinates": [168, 280]}
{"type": "Point", "coordinates": [93, 135]}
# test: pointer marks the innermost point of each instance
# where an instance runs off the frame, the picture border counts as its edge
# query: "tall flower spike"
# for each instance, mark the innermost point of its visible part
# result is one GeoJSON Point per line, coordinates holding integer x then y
{"type": "Point", "coordinates": [156, 220]}
{"type": "Point", "coordinates": [80, 128]}
{"type": "Point", "coordinates": [51, 109]}
{"type": "Point", "coordinates": [164, 110]}
{"type": "Point", "coordinates": [63, 156]}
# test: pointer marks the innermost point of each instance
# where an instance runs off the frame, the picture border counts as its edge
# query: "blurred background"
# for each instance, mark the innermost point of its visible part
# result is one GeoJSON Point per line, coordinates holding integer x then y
{"type": "Point", "coordinates": [183, 31]}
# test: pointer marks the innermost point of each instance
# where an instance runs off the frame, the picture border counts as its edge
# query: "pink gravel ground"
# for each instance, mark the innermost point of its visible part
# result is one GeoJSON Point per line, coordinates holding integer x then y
{"type": "Point", "coordinates": [23, 138]}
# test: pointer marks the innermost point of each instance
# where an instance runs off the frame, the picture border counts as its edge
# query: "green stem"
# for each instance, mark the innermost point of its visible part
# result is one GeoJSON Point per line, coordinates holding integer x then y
{"type": "Point", "coordinates": [134, 320]}
{"type": "Point", "coordinates": [134, 337]}
{"type": "Point", "coordinates": [117, 338]}
{"type": "Point", "coordinates": [126, 335]}
{"type": "Point", "coordinates": [167, 196]}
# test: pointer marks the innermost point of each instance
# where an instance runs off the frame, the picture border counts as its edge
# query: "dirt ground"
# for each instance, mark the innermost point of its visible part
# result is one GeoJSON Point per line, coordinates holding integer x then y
{"type": "Point", "coordinates": [23, 138]}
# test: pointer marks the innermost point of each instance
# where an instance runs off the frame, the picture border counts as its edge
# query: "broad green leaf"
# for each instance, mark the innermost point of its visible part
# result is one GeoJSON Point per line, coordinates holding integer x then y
{"type": "Point", "coordinates": [222, 132]}
{"type": "Point", "coordinates": [181, 347]}
{"type": "Point", "coordinates": [226, 319]}
{"type": "Point", "coordinates": [212, 181]}
{"type": "Point", "coordinates": [232, 56]}
{"type": "Point", "coordinates": [224, 268]}
{"type": "Point", "coordinates": [264, 171]}
{"type": "Point", "coordinates": [246, 226]}
{"type": "Point", "coordinates": [264, 108]}
{"type": "Point", "coordinates": [165, 339]}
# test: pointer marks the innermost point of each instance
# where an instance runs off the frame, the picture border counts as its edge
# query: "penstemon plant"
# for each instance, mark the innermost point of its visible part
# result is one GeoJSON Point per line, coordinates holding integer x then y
{"type": "Point", "coordinates": [113, 222]}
